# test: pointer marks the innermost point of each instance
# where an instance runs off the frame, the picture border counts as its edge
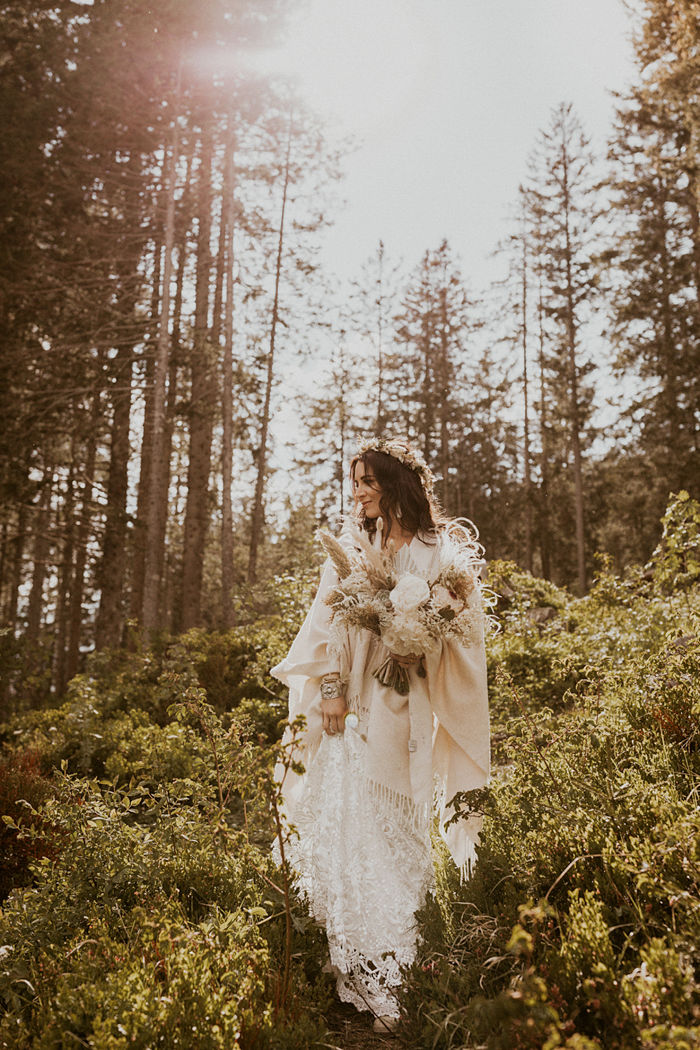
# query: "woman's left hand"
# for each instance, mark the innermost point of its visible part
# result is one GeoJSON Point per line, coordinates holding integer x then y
{"type": "Point", "coordinates": [333, 712]}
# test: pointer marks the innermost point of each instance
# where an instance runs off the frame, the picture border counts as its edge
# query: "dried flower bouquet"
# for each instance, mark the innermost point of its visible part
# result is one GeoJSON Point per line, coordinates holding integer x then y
{"type": "Point", "coordinates": [410, 614]}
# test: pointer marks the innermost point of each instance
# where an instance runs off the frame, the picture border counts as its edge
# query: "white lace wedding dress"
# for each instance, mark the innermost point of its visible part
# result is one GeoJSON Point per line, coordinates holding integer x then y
{"type": "Point", "coordinates": [364, 863]}
{"type": "Point", "coordinates": [362, 809]}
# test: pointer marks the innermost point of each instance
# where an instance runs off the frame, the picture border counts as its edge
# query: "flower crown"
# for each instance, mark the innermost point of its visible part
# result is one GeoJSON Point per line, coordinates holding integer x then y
{"type": "Point", "coordinates": [399, 450]}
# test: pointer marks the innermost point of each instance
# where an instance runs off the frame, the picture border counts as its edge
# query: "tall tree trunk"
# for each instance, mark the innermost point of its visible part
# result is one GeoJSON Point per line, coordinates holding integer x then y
{"type": "Point", "coordinates": [113, 568]}
{"type": "Point", "coordinates": [443, 396]}
{"type": "Point", "coordinates": [201, 408]}
{"type": "Point", "coordinates": [75, 614]}
{"type": "Point", "coordinates": [427, 392]}
{"type": "Point", "coordinates": [227, 388]}
{"type": "Point", "coordinates": [692, 201]}
{"type": "Point", "coordinates": [171, 413]}
{"type": "Point", "coordinates": [65, 576]}
{"type": "Point", "coordinates": [526, 408]}
{"type": "Point", "coordinates": [672, 454]}
{"type": "Point", "coordinates": [110, 616]}
{"type": "Point", "coordinates": [574, 406]}
{"type": "Point", "coordinates": [544, 518]}
{"type": "Point", "coordinates": [172, 565]}
{"type": "Point", "coordinates": [3, 555]}
{"type": "Point", "coordinates": [256, 522]}
{"type": "Point", "coordinates": [139, 540]}
{"type": "Point", "coordinates": [18, 544]}
{"type": "Point", "coordinates": [42, 523]}
{"type": "Point", "coordinates": [159, 464]}
{"type": "Point", "coordinates": [162, 483]}
{"type": "Point", "coordinates": [342, 425]}
{"type": "Point", "coordinates": [381, 411]}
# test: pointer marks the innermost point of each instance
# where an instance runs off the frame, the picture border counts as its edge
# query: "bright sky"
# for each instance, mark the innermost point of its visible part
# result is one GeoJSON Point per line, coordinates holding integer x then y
{"type": "Point", "coordinates": [446, 98]}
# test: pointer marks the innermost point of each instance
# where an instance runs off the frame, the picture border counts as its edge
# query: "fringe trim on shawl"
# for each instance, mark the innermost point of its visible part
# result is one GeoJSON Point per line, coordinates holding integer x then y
{"type": "Point", "coordinates": [462, 837]}
{"type": "Point", "coordinates": [409, 814]}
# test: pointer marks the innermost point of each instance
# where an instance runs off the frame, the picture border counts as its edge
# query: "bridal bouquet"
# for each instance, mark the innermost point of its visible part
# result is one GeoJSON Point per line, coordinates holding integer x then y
{"type": "Point", "coordinates": [408, 613]}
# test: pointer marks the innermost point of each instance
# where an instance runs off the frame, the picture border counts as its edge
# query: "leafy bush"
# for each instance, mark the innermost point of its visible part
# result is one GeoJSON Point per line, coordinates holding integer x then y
{"type": "Point", "coordinates": [156, 916]}
{"type": "Point", "coordinates": [163, 920]}
{"type": "Point", "coordinates": [517, 591]}
{"type": "Point", "coordinates": [580, 926]}
{"type": "Point", "coordinates": [115, 721]}
{"type": "Point", "coordinates": [676, 560]}
{"type": "Point", "coordinates": [23, 788]}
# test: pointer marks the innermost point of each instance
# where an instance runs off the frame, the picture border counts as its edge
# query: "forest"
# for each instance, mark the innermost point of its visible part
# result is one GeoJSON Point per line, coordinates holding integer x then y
{"type": "Point", "coordinates": [163, 204]}
{"type": "Point", "coordinates": [161, 213]}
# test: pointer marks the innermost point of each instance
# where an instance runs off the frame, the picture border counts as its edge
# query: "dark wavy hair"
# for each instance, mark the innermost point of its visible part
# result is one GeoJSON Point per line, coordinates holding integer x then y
{"type": "Point", "coordinates": [403, 497]}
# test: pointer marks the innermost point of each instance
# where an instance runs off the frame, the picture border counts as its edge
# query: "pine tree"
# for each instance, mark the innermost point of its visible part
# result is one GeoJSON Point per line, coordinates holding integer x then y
{"type": "Point", "coordinates": [654, 257]}
{"type": "Point", "coordinates": [432, 331]}
{"type": "Point", "coordinates": [372, 311]}
{"type": "Point", "coordinates": [560, 193]}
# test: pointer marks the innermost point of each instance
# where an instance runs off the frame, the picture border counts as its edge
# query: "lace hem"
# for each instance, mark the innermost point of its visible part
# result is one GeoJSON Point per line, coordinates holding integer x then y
{"type": "Point", "coordinates": [362, 857]}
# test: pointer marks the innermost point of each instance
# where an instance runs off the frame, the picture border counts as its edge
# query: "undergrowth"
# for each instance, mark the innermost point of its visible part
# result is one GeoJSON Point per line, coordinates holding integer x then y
{"type": "Point", "coordinates": [580, 926]}
{"type": "Point", "coordinates": [143, 908]}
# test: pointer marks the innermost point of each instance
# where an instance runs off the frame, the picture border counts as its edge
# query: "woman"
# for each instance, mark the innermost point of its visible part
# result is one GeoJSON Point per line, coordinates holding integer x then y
{"type": "Point", "coordinates": [373, 755]}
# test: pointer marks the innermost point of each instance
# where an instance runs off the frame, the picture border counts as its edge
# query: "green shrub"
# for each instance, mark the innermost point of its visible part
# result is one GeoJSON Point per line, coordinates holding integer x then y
{"type": "Point", "coordinates": [517, 592]}
{"type": "Point", "coordinates": [580, 926]}
{"type": "Point", "coordinates": [162, 920]}
{"type": "Point", "coordinates": [23, 787]}
{"type": "Point", "coordinates": [676, 560]}
{"type": "Point", "coordinates": [593, 812]}
{"type": "Point", "coordinates": [160, 980]}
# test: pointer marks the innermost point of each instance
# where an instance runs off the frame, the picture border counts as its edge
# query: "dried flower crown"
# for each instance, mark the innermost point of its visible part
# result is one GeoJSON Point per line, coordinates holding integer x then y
{"type": "Point", "coordinates": [406, 455]}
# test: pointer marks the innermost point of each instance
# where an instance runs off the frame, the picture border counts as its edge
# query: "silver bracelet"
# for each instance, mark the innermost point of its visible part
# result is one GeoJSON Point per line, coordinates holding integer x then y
{"type": "Point", "coordinates": [331, 689]}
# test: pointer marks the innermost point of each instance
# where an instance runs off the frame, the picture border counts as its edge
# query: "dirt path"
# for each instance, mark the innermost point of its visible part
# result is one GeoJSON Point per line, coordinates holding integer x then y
{"type": "Point", "coordinates": [353, 1031]}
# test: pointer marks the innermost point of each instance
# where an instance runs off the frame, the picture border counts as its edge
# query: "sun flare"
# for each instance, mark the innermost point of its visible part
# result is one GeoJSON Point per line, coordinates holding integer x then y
{"type": "Point", "coordinates": [360, 62]}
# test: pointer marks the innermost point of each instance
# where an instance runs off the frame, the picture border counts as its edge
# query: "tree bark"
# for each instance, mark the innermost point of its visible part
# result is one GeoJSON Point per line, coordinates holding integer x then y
{"type": "Point", "coordinates": [113, 568]}
{"type": "Point", "coordinates": [668, 356]}
{"type": "Point", "coordinates": [139, 540]}
{"type": "Point", "coordinates": [443, 396]}
{"type": "Point", "coordinates": [526, 406]}
{"type": "Point", "coordinates": [574, 408]}
{"type": "Point", "coordinates": [381, 410]}
{"type": "Point", "coordinates": [544, 517]}
{"type": "Point", "coordinates": [75, 613]}
{"type": "Point", "coordinates": [201, 407]}
{"type": "Point", "coordinates": [163, 482]}
{"type": "Point", "coordinates": [256, 522]}
{"type": "Point", "coordinates": [65, 576]}
{"type": "Point", "coordinates": [159, 468]}
{"type": "Point", "coordinates": [18, 544]}
{"type": "Point", "coordinates": [227, 388]}
{"type": "Point", "coordinates": [42, 518]}
{"type": "Point", "coordinates": [110, 616]}
{"type": "Point", "coordinates": [3, 556]}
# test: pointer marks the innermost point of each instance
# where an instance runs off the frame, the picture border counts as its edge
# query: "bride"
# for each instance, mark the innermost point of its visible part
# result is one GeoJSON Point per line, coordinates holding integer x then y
{"type": "Point", "coordinates": [376, 759]}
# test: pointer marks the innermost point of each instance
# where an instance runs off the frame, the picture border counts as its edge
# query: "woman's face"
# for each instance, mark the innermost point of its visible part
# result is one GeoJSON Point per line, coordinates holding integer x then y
{"type": "Point", "coordinates": [366, 490]}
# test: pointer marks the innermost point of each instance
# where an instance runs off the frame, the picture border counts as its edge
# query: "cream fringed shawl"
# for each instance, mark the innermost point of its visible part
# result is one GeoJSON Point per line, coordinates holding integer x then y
{"type": "Point", "coordinates": [436, 738]}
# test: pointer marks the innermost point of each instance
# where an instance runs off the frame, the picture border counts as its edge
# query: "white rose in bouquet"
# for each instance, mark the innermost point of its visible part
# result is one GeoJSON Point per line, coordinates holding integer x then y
{"type": "Point", "coordinates": [409, 593]}
{"type": "Point", "coordinates": [407, 635]}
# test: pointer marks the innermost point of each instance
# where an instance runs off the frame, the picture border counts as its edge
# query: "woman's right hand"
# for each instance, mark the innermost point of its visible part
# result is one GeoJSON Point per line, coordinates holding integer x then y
{"type": "Point", "coordinates": [333, 712]}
